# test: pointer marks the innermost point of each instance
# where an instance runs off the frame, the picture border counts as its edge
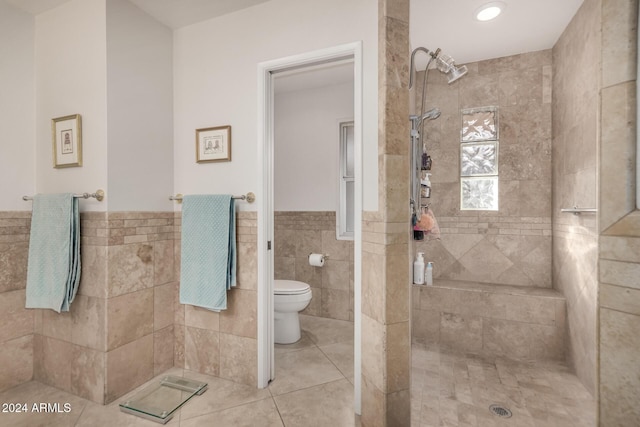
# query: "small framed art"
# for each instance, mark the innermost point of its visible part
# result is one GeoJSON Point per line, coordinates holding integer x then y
{"type": "Point", "coordinates": [66, 135]}
{"type": "Point", "coordinates": [213, 144]}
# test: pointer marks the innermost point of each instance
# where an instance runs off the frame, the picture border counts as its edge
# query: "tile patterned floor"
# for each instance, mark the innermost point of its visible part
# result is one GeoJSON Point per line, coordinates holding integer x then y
{"type": "Point", "coordinates": [457, 390]}
{"type": "Point", "coordinates": [316, 373]}
{"type": "Point", "coordinates": [318, 368]}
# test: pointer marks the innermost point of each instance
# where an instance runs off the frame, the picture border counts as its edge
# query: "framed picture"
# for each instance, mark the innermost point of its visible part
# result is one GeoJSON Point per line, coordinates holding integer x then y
{"type": "Point", "coordinates": [213, 144]}
{"type": "Point", "coordinates": [66, 134]}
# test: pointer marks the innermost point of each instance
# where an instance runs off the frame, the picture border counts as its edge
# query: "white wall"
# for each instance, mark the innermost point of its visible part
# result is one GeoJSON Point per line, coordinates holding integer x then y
{"type": "Point", "coordinates": [139, 109]}
{"type": "Point", "coordinates": [17, 108]}
{"type": "Point", "coordinates": [71, 67]}
{"type": "Point", "coordinates": [215, 83]}
{"type": "Point", "coordinates": [307, 145]}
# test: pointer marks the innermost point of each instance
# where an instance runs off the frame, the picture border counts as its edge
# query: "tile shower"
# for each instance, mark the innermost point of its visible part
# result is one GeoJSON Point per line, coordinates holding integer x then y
{"type": "Point", "coordinates": [493, 268]}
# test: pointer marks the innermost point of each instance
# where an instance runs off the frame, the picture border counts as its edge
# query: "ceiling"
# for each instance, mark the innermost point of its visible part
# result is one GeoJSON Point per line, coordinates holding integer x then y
{"type": "Point", "coordinates": [524, 26]}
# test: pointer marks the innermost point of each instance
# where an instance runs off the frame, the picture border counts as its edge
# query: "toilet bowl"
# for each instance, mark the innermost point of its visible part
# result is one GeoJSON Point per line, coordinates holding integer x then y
{"type": "Point", "coordinates": [290, 297]}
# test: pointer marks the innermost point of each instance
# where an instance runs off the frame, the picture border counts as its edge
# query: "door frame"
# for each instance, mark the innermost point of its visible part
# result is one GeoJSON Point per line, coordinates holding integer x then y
{"type": "Point", "coordinates": [266, 71]}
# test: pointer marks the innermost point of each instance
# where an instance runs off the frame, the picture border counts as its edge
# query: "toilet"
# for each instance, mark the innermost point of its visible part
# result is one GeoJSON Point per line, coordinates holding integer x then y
{"type": "Point", "coordinates": [290, 297]}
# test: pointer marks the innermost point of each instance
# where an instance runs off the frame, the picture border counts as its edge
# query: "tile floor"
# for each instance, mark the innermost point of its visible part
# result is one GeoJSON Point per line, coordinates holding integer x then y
{"type": "Point", "coordinates": [457, 390]}
{"type": "Point", "coordinates": [316, 373]}
{"type": "Point", "coordinates": [318, 368]}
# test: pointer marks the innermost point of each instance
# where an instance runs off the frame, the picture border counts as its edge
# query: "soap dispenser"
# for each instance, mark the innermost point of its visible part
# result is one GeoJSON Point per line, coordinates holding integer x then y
{"type": "Point", "coordinates": [418, 269]}
{"type": "Point", "coordinates": [428, 274]}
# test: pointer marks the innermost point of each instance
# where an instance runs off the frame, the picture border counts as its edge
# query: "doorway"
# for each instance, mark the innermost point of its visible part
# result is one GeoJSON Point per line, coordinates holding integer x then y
{"type": "Point", "coordinates": [267, 73]}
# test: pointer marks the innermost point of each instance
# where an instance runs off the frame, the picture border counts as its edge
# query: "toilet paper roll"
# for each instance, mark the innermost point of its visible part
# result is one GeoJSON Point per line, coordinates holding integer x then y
{"type": "Point", "coordinates": [316, 260]}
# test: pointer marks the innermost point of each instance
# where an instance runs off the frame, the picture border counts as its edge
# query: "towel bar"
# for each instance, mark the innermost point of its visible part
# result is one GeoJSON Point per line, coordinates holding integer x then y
{"type": "Point", "coordinates": [249, 197]}
{"type": "Point", "coordinates": [98, 195]}
{"type": "Point", "coordinates": [577, 211]}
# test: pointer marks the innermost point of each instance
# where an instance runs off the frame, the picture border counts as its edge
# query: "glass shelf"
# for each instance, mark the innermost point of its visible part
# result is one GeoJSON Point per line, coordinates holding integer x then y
{"type": "Point", "coordinates": [158, 402]}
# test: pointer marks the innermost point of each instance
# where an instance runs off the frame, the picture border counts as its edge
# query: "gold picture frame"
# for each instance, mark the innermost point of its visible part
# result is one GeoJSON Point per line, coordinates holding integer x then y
{"type": "Point", "coordinates": [213, 144]}
{"type": "Point", "coordinates": [66, 135]}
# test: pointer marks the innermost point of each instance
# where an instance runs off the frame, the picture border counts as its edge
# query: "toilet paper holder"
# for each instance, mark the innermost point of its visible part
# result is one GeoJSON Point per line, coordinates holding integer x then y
{"type": "Point", "coordinates": [317, 260]}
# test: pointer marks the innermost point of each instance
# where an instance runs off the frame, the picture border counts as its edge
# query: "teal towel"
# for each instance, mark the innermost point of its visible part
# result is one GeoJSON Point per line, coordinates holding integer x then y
{"type": "Point", "coordinates": [208, 251]}
{"type": "Point", "coordinates": [53, 271]}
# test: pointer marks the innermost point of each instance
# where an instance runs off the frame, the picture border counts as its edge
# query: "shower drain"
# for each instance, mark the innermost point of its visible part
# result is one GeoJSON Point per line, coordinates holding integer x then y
{"type": "Point", "coordinates": [500, 411]}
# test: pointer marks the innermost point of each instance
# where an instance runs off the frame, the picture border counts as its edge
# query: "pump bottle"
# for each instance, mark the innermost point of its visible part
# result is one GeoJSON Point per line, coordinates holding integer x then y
{"type": "Point", "coordinates": [418, 269]}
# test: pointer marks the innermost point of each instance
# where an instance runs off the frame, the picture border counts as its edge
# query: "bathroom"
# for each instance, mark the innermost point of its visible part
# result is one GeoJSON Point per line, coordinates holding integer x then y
{"type": "Point", "coordinates": [142, 152]}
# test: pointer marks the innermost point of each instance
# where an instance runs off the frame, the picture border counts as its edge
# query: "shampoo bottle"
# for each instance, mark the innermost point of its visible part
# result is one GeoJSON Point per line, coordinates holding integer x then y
{"type": "Point", "coordinates": [425, 185]}
{"type": "Point", "coordinates": [418, 269]}
{"type": "Point", "coordinates": [428, 274]}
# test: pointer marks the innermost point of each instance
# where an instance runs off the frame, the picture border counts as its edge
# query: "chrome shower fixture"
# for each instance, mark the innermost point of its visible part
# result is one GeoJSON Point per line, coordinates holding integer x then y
{"type": "Point", "coordinates": [432, 114]}
{"type": "Point", "coordinates": [444, 63]}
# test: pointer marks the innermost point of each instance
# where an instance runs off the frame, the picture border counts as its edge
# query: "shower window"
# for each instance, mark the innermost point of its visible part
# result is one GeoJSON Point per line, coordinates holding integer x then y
{"type": "Point", "coordinates": [345, 213]}
{"type": "Point", "coordinates": [479, 159]}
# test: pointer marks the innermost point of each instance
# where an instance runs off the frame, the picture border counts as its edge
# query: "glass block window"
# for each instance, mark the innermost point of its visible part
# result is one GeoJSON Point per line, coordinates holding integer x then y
{"type": "Point", "coordinates": [479, 159]}
{"type": "Point", "coordinates": [479, 124]}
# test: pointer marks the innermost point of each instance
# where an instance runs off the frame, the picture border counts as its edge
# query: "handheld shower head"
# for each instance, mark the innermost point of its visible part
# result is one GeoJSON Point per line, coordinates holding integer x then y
{"type": "Point", "coordinates": [432, 114]}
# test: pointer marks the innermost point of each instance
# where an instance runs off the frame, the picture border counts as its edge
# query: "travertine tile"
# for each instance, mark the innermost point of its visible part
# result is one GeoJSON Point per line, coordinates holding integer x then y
{"type": "Point", "coordinates": [240, 316]}
{"type": "Point", "coordinates": [130, 268]}
{"type": "Point", "coordinates": [15, 320]}
{"type": "Point", "coordinates": [202, 351]}
{"type": "Point", "coordinates": [89, 322]}
{"type": "Point", "coordinates": [16, 362]}
{"type": "Point", "coordinates": [93, 279]}
{"type": "Point", "coordinates": [198, 317]}
{"type": "Point", "coordinates": [398, 358]}
{"type": "Point", "coordinates": [300, 408]}
{"type": "Point", "coordinates": [302, 369]}
{"type": "Point", "coordinates": [263, 412]}
{"type": "Point", "coordinates": [221, 394]}
{"type": "Point", "coordinates": [619, 370]}
{"type": "Point", "coordinates": [335, 304]}
{"type": "Point", "coordinates": [461, 332]}
{"type": "Point", "coordinates": [247, 266]}
{"type": "Point", "coordinates": [129, 366]}
{"type": "Point", "coordinates": [374, 345]}
{"type": "Point", "coordinates": [238, 359]}
{"type": "Point", "coordinates": [129, 317]}
{"type": "Point", "coordinates": [163, 351]}
{"type": "Point", "coordinates": [88, 373]}
{"type": "Point", "coordinates": [13, 265]}
{"type": "Point", "coordinates": [163, 259]}
{"type": "Point", "coordinates": [51, 362]}
{"type": "Point", "coordinates": [618, 41]}
{"type": "Point", "coordinates": [163, 308]}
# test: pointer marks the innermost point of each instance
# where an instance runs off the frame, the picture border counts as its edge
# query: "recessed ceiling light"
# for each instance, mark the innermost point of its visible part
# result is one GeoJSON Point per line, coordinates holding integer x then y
{"type": "Point", "coordinates": [489, 11]}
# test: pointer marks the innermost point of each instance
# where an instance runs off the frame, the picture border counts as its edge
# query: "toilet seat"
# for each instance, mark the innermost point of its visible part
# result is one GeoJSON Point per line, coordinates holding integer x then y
{"type": "Point", "coordinates": [290, 287]}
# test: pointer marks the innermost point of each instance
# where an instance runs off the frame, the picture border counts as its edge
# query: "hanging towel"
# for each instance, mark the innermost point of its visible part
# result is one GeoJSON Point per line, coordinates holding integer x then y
{"type": "Point", "coordinates": [208, 267]}
{"type": "Point", "coordinates": [53, 270]}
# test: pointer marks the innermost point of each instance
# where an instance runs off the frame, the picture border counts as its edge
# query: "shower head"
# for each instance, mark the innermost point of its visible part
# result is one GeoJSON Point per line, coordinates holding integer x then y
{"type": "Point", "coordinates": [447, 65]}
{"type": "Point", "coordinates": [444, 63]}
{"type": "Point", "coordinates": [432, 114]}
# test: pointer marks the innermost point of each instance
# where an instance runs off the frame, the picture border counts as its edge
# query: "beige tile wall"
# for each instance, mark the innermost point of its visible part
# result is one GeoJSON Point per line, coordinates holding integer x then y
{"type": "Point", "coordinates": [511, 246]}
{"type": "Point", "coordinates": [385, 236]}
{"type": "Point", "coordinates": [576, 76]}
{"type": "Point", "coordinates": [296, 235]}
{"type": "Point", "coordinates": [618, 220]}
{"type": "Point", "coordinates": [490, 320]}
{"type": "Point", "coordinates": [17, 323]}
{"type": "Point", "coordinates": [222, 344]}
{"type": "Point", "coordinates": [119, 330]}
